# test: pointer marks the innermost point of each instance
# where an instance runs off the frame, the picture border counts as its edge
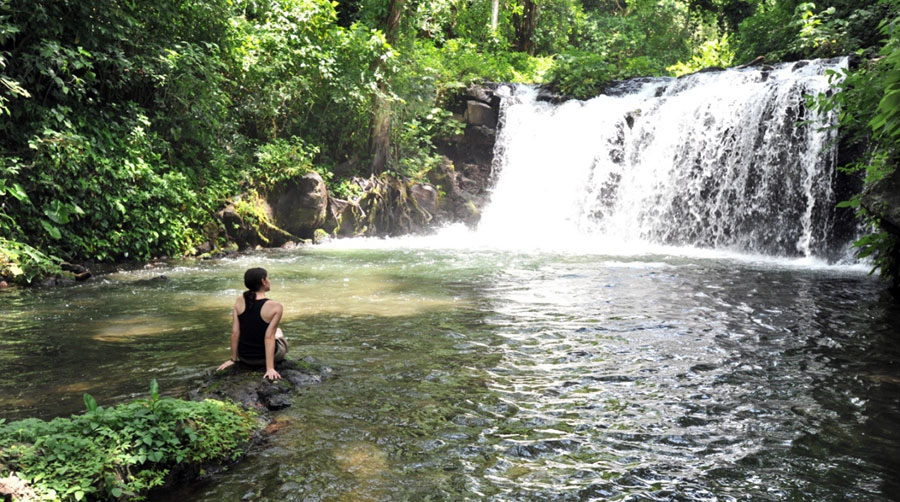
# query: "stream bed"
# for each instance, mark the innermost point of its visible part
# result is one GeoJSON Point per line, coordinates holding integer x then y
{"type": "Point", "coordinates": [476, 374]}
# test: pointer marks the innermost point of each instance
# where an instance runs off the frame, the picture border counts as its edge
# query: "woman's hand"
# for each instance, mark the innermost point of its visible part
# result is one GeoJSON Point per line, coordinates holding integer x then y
{"type": "Point", "coordinates": [272, 375]}
{"type": "Point", "coordinates": [227, 364]}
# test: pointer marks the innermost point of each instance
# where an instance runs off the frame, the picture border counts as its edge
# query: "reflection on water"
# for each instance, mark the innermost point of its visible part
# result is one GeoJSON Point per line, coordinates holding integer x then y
{"type": "Point", "coordinates": [504, 376]}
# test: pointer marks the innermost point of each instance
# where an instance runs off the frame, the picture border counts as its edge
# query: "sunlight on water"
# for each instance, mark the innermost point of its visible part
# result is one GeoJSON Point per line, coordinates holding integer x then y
{"type": "Point", "coordinates": [126, 330]}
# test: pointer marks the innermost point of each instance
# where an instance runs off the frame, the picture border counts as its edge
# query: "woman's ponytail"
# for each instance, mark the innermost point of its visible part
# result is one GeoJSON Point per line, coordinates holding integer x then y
{"type": "Point", "coordinates": [253, 280]}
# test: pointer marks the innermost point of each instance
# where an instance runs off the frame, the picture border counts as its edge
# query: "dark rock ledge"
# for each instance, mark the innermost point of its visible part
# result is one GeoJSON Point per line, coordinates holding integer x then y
{"type": "Point", "coordinates": [246, 386]}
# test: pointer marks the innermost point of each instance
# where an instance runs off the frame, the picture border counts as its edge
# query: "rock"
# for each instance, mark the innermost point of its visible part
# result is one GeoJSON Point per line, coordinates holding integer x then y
{"type": "Point", "coordinates": [4, 284]}
{"type": "Point", "coordinates": [71, 267]}
{"type": "Point", "coordinates": [245, 385]}
{"type": "Point", "coordinates": [345, 218]}
{"type": "Point", "coordinates": [300, 207]}
{"type": "Point", "coordinates": [480, 114]}
{"type": "Point", "coordinates": [206, 247]}
{"type": "Point", "coordinates": [251, 234]}
{"type": "Point", "coordinates": [320, 236]}
{"type": "Point", "coordinates": [480, 135]}
{"type": "Point", "coordinates": [425, 196]}
{"type": "Point", "coordinates": [236, 230]}
{"type": "Point", "coordinates": [883, 198]}
{"type": "Point", "coordinates": [83, 276]}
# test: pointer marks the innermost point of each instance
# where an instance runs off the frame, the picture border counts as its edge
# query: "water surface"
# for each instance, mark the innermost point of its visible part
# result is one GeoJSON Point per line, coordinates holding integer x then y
{"type": "Point", "coordinates": [499, 375]}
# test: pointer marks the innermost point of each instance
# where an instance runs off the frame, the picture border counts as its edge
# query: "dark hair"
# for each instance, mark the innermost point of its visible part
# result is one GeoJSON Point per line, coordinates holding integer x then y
{"type": "Point", "coordinates": [253, 280]}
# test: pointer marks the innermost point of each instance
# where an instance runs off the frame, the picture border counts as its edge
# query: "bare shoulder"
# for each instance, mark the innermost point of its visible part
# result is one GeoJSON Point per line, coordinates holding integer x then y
{"type": "Point", "coordinates": [271, 307]}
{"type": "Point", "coordinates": [239, 304]}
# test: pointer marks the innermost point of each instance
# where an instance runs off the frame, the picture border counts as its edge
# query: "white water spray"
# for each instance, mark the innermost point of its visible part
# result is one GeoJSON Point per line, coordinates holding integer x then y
{"type": "Point", "coordinates": [731, 160]}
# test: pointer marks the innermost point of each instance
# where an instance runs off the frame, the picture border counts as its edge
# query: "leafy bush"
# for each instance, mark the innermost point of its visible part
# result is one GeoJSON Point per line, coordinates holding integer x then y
{"type": "Point", "coordinates": [121, 452]}
{"type": "Point", "coordinates": [713, 53]}
{"type": "Point", "coordinates": [281, 160]}
{"type": "Point", "coordinates": [581, 74]}
{"type": "Point", "coordinates": [869, 117]}
{"type": "Point", "coordinates": [24, 264]}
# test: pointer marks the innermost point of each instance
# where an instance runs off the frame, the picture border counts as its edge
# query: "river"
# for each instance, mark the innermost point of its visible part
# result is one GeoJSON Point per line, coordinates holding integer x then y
{"type": "Point", "coordinates": [506, 375]}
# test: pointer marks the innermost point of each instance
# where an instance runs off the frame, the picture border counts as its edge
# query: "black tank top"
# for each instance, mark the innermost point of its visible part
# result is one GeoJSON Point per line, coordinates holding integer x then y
{"type": "Point", "coordinates": [251, 344]}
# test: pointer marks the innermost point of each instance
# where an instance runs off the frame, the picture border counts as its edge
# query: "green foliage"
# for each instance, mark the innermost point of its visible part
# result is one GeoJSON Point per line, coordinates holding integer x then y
{"type": "Point", "coordinates": [712, 53]}
{"type": "Point", "coordinates": [281, 160]}
{"type": "Point", "coordinates": [581, 74]}
{"type": "Point", "coordinates": [24, 264]}
{"type": "Point", "coordinates": [414, 142]}
{"type": "Point", "coordinates": [869, 116]}
{"type": "Point", "coordinates": [121, 452]}
{"type": "Point", "coordinates": [790, 30]}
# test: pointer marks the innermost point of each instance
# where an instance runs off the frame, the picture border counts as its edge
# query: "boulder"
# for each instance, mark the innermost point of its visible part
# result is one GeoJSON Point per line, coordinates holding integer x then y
{"type": "Point", "coordinates": [883, 199]}
{"type": "Point", "coordinates": [246, 386]}
{"type": "Point", "coordinates": [425, 196]}
{"type": "Point", "coordinates": [300, 206]}
{"type": "Point", "coordinates": [478, 113]}
{"type": "Point", "coordinates": [250, 234]}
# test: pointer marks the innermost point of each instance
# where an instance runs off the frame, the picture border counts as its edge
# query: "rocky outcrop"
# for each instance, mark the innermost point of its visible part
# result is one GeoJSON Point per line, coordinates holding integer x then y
{"type": "Point", "coordinates": [882, 199]}
{"type": "Point", "coordinates": [300, 207]}
{"type": "Point", "coordinates": [465, 175]}
{"type": "Point", "coordinates": [252, 229]}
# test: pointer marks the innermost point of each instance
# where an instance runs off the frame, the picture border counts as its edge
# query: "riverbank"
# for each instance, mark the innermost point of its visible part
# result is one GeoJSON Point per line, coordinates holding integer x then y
{"type": "Point", "coordinates": [131, 449]}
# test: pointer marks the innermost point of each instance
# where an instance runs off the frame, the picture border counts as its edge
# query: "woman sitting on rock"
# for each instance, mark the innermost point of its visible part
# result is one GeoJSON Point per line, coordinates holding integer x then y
{"type": "Point", "coordinates": [256, 339]}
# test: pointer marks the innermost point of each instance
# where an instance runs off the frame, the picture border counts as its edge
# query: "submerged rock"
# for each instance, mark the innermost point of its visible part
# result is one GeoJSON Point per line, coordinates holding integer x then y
{"type": "Point", "coordinates": [245, 385]}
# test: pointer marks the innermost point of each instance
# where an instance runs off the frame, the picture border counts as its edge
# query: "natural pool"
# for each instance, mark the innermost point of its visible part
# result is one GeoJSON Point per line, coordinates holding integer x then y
{"type": "Point", "coordinates": [498, 375]}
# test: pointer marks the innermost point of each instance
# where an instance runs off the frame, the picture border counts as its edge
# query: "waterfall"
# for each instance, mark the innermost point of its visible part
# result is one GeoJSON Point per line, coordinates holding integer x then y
{"type": "Point", "coordinates": [731, 160]}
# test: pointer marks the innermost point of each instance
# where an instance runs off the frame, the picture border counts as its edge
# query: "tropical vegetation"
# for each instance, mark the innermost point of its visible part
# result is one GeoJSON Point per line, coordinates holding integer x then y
{"type": "Point", "coordinates": [121, 453]}
{"type": "Point", "coordinates": [127, 124]}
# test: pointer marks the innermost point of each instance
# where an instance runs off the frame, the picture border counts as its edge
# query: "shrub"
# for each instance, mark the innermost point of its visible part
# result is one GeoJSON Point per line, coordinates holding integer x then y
{"type": "Point", "coordinates": [124, 451]}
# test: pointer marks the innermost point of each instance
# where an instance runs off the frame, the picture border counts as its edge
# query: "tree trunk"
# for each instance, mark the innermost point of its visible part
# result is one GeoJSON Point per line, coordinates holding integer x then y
{"type": "Point", "coordinates": [381, 127]}
{"type": "Point", "coordinates": [525, 24]}
{"type": "Point", "coordinates": [495, 12]}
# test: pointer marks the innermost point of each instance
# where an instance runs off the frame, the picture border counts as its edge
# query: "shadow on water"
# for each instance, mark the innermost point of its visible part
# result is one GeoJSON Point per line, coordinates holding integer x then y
{"type": "Point", "coordinates": [474, 376]}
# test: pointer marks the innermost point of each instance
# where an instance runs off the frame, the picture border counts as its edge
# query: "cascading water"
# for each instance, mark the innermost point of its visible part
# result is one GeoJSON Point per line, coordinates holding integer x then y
{"type": "Point", "coordinates": [727, 160]}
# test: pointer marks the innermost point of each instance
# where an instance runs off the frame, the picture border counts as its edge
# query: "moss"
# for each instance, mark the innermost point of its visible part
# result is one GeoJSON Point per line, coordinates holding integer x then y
{"type": "Point", "coordinates": [320, 236]}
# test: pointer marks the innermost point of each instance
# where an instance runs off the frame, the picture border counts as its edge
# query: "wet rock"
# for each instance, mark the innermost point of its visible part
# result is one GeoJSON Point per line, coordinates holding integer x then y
{"type": "Point", "coordinates": [481, 114]}
{"type": "Point", "coordinates": [277, 402]}
{"type": "Point", "coordinates": [245, 385]}
{"type": "Point", "coordinates": [72, 267]}
{"type": "Point", "coordinates": [883, 199]}
{"type": "Point", "coordinates": [425, 196]}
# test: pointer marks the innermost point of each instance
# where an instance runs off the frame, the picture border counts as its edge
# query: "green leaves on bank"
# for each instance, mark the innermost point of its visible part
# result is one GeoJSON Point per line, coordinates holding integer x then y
{"type": "Point", "coordinates": [107, 454]}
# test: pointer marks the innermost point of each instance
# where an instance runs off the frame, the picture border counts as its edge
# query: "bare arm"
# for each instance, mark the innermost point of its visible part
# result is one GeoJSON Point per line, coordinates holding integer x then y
{"type": "Point", "coordinates": [235, 333]}
{"type": "Point", "coordinates": [235, 336]}
{"type": "Point", "coordinates": [270, 342]}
